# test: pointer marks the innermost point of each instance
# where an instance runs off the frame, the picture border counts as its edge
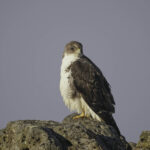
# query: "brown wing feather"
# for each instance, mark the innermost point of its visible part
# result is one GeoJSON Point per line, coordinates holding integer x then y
{"type": "Point", "coordinates": [92, 85]}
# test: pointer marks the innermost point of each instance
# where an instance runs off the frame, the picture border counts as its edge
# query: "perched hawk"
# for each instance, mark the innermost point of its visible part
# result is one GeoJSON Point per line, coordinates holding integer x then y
{"type": "Point", "coordinates": [83, 87]}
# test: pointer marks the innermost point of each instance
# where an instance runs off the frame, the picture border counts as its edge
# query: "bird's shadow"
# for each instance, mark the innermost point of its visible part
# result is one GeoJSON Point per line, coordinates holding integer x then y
{"type": "Point", "coordinates": [59, 140]}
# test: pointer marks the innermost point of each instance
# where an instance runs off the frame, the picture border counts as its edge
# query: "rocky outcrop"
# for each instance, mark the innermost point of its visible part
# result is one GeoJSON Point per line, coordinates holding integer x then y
{"type": "Point", "coordinates": [144, 142]}
{"type": "Point", "coordinates": [78, 134]}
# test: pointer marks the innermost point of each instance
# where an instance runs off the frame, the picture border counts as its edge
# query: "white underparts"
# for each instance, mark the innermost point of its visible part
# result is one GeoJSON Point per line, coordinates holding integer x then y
{"type": "Point", "coordinates": [77, 104]}
{"type": "Point", "coordinates": [88, 111]}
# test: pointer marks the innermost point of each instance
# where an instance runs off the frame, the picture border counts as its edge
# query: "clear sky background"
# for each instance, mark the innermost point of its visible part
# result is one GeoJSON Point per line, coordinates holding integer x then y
{"type": "Point", "coordinates": [115, 35]}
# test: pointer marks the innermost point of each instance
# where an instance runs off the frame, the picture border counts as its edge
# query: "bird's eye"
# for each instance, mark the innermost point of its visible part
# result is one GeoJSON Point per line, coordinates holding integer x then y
{"type": "Point", "coordinates": [72, 48]}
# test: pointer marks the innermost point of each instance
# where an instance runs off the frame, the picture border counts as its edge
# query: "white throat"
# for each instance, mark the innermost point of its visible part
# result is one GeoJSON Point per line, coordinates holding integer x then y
{"type": "Point", "coordinates": [67, 60]}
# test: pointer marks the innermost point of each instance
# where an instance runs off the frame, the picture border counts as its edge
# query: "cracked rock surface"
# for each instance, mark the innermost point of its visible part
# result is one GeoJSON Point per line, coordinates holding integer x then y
{"type": "Point", "coordinates": [78, 134]}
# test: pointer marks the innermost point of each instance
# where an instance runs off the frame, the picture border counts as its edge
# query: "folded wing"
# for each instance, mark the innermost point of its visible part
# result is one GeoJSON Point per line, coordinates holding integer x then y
{"type": "Point", "coordinates": [92, 85]}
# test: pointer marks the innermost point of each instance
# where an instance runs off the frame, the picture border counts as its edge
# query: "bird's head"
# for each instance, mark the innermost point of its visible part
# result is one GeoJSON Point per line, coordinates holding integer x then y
{"type": "Point", "coordinates": [73, 48]}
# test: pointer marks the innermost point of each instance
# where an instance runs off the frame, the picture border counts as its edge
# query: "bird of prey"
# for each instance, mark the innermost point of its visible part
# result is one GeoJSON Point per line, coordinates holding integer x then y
{"type": "Point", "coordinates": [83, 86]}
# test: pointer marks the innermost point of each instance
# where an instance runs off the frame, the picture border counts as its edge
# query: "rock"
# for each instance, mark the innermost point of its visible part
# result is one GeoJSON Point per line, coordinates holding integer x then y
{"type": "Point", "coordinates": [144, 143]}
{"type": "Point", "coordinates": [31, 135]}
{"type": "Point", "coordinates": [133, 145]}
{"type": "Point", "coordinates": [78, 134]}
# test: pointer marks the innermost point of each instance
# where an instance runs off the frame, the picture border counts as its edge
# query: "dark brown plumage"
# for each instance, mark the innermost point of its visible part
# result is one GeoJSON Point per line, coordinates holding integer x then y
{"type": "Point", "coordinates": [92, 85]}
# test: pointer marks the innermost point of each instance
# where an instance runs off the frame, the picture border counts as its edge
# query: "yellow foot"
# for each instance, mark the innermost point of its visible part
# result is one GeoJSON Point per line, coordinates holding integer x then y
{"type": "Point", "coordinates": [79, 116]}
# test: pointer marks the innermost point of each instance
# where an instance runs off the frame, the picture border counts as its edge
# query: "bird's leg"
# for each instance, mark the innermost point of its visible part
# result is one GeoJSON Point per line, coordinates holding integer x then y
{"type": "Point", "coordinates": [79, 116]}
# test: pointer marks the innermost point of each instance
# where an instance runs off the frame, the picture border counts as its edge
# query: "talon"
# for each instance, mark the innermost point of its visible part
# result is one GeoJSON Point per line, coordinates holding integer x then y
{"type": "Point", "coordinates": [79, 116]}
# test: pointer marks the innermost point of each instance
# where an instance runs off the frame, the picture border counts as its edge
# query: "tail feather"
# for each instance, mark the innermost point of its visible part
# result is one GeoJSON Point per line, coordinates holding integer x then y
{"type": "Point", "coordinates": [109, 120]}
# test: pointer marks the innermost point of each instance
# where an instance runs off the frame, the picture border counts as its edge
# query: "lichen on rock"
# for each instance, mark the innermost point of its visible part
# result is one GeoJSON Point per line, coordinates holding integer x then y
{"type": "Point", "coordinates": [78, 134]}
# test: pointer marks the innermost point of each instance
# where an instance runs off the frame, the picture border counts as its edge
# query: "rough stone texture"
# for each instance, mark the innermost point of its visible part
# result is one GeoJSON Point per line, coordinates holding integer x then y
{"type": "Point", "coordinates": [31, 135]}
{"type": "Point", "coordinates": [144, 143]}
{"type": "Point", "coordinates": [79, 134]}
